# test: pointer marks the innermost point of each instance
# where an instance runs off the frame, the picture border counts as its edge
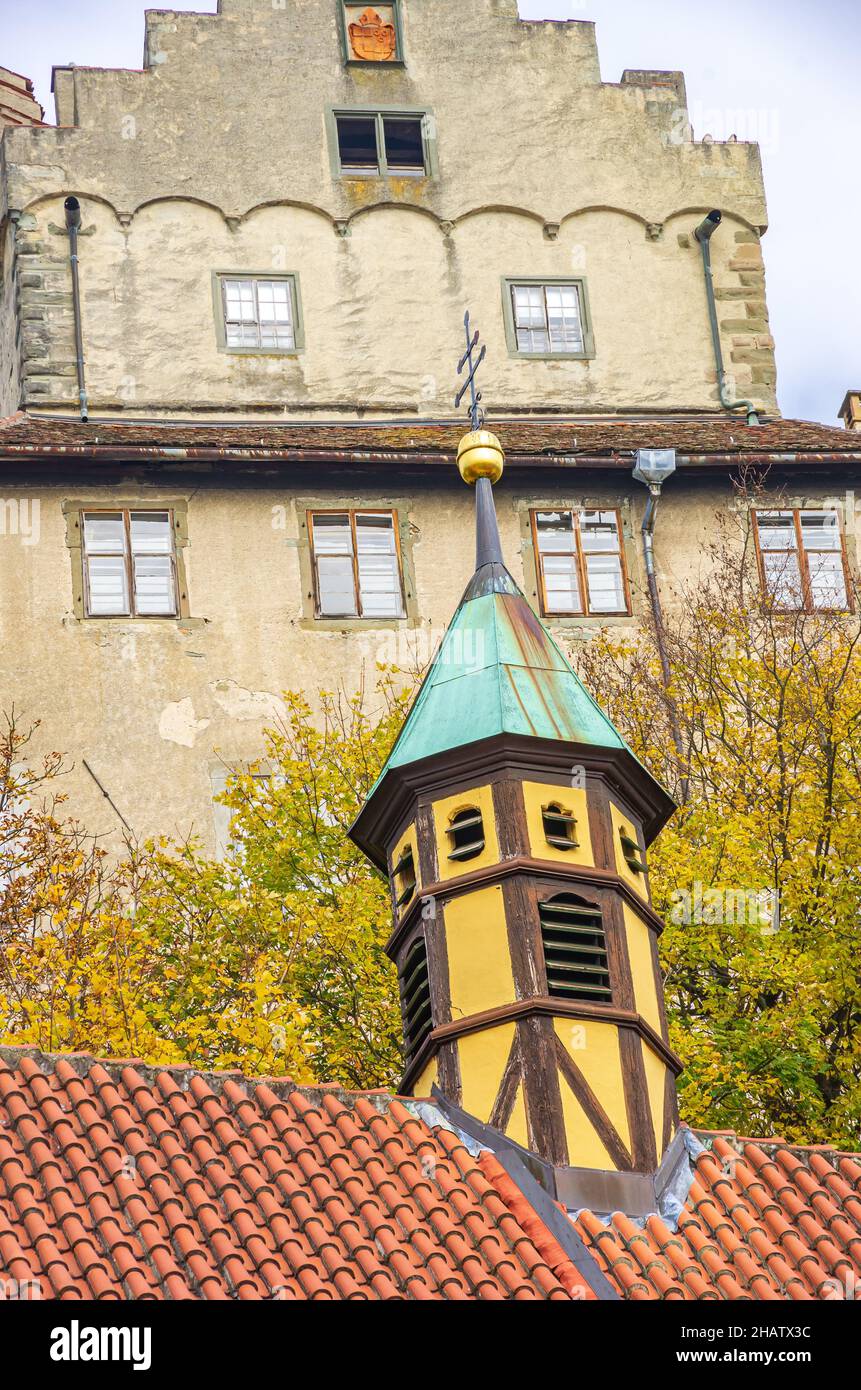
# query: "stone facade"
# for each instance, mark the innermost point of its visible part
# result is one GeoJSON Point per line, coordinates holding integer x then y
{"type": "Point", "coordinates": [18, 105]}
{"type": "Point", "coordinates": [217, 158]}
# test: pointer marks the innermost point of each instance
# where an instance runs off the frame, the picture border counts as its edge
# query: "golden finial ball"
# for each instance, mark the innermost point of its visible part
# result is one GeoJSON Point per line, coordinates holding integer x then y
{"type": "Point", "coordinates": [479, 455]}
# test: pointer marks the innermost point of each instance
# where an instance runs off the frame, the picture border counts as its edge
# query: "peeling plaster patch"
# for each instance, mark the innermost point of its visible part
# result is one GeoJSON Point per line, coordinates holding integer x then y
{"type": "Point", "coordinates": [178, 724]}
{"type": "Point", "coordinates": [239, 703]}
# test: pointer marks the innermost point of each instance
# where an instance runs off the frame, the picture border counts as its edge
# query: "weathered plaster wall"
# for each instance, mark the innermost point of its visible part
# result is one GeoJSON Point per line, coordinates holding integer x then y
{"type": "Point", "coordinates": [215, 157]}
{"type": "Point", "coordinates": [163, 703]}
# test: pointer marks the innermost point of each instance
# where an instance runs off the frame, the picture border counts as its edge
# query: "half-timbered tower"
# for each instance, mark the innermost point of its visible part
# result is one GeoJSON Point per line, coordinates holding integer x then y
{"type": "Point", "coordinates": [514, 823]}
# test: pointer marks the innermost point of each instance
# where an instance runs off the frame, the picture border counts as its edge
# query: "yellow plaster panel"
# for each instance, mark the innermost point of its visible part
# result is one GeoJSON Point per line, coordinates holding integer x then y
{"type": "Point", "coordinates": [516, 1127]}
{"type": "Point", "coordinates": [408, 838]}
{"type": "Point", "coordinates": [483, 1057]}
{"type": "Point", "coordinates": [538, 795]}
{"type": "Point", "coordinates": [594, 1050]}
{"type": "Point", "coordinates": [477, 798]}
{"type": "Point", "coordinates": [656, 1077]}
{"type": "Point", "coordinates": [423, 1083]}
{"type": "Point", "coordinates": [620, 822]}
{"type": "Point", "coordinates": [585, 1149]}
{"type": "Point", "coordinates": [479, 961]}
{"type": "Point", "coordinates": [642, 968]}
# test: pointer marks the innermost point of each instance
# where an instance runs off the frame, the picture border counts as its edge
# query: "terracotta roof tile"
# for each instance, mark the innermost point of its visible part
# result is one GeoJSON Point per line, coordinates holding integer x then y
{"type": "Point", "coordinates": [124, 1181]}
{"type": "Point", "coordinates": [695, 437]}
{"type": "Point", "coordinates": [764, 1220]}
{"type": "Point", "coordinates": [119, 1180]}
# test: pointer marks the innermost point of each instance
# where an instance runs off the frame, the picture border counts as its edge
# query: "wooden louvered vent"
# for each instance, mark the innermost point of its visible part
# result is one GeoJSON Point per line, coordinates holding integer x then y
{"type": "Point", "coordinates": [404, 878]}
{"type": "Point", "coordinates": [560, 827]}
{"type": "Point", "coordinates": [415, 998]}
{"type": "Point", "coordinates": [466, 834]}
{"type": "Point", "coordinates": [632, 852]}
{"type": "Point", "coordinates": [575, 951]}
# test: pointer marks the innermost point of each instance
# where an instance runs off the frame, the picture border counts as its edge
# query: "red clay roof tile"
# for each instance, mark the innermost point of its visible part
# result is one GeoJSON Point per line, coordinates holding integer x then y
{"type": "Point", "coordinates": [124, 1181]}
{"type": "Point", "coordinates": [763, 1220]}
{"type": "Point", "coordinates": [119, 1180]}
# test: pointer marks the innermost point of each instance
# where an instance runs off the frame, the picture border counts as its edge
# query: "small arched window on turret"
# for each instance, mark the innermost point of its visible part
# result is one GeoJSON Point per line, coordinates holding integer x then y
{"type": "Point", "coordinates": [466, 834]}
{"type": "Point", "coordinates": [415, 998]}
{"type": "Point", "coordinates": [560, 827]}
{"type": "Point", "coordinates": [633, 855]}
{"type": "Point", "coordinates": [575, 949]}
{"type": "Point", "coordinates": [404, 878]}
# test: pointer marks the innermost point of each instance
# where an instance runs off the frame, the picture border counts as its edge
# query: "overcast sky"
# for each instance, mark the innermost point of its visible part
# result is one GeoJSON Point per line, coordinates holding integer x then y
{"type": "Point", "coordinates": [785, 72]}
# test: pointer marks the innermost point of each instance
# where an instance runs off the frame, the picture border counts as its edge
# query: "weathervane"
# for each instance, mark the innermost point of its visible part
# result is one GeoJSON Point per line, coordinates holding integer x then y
{"type": "Point", "coordinates": [476, 414]}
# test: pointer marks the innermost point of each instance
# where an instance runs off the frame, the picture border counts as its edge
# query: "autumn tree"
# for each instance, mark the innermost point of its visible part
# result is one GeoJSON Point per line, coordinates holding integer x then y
{"type": "Point", "coordinates": [269, 959]}
{"type": "Point", "coordinates": [758, 737]}
{"type": "Point", "coordinates": [272, 959]}
{"type": "Point", "coordinates": [72, 968]}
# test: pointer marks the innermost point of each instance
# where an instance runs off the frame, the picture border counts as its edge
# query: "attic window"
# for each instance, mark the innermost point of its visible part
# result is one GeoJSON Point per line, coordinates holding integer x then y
{"type": "Point", "coordinates": [575, 950]}
{"type": "Point", "coordinates": [415, 998]}
{"type": "Point", "coordinates": [378, 143]}
{"type": "Point", "coordinates": [560, 827]}
{"type": "Point", "coordinates": [466, 833]}
{"type": "Point", "coordinates": [404, 878]}
{"type": "Point", "coordinates": [631, 850]}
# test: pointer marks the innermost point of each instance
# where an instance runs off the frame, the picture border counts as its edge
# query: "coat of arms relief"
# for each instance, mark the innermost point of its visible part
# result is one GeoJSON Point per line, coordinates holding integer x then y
{"type": "Point", "coordinates": [372, 34]}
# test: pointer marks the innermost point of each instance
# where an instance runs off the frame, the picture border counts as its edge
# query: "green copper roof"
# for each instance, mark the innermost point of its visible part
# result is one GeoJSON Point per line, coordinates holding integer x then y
{"type": "Point", "coordinates": [498, 671]}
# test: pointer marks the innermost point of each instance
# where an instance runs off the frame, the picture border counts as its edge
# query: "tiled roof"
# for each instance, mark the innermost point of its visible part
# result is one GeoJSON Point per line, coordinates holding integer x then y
{"type": "Point", "coordinates": [601, 439]}
{"type": "Point", "coordinates": [763, 1220]}
{"type": "Point", "coordinates": [123, 1181]}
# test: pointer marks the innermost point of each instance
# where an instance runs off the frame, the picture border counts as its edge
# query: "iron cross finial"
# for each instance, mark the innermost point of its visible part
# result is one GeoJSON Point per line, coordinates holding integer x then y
{"type": "Point", "coordinates": [476, 414]}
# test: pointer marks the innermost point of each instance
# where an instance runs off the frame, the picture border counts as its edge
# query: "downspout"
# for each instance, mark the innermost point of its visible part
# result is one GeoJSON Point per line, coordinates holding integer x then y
{"type": "Point", "coordinates": [653, 468]}
{"type": "Point", "coordinates": [703, 234]}
{"type": "Point", "coordinates": [648, 532]}
{"type": "Point", "coordinates": [73, 222]}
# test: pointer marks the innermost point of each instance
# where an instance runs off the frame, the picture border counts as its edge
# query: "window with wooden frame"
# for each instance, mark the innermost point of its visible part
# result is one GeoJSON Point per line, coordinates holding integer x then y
{"type": "Point", "coordinates": [802, 559]}
{"type": "Point", "coordinates": [466, 834]}
{"type": "Point", "coordinates": [631, 851]}
{"type": "Point", "coordinates": [580, 560]}
{"type": "Point", "coordinates": [356, 560]}
{"type": "Point", "coordinates": [416, 1009]}
{"type": "Point", "coordinates": [129, 563]}
{"type": "Point", "coordinates": [560, 827]}
{"type": "Point", "coordinates": [260, 314]}
{"type": "Point", "coordinates": [404, 879]}
{"type": "Point", "coordinates": [575, 949]}
{"type": "Point", "coordinates": [383, 143]}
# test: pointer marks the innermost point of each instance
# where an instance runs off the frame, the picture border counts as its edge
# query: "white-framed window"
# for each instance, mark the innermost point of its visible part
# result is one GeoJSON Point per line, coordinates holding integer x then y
{"type": "Point", "coordinates": [260, 313]}
{"type": "Point", "coordinates": [547, 318]}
